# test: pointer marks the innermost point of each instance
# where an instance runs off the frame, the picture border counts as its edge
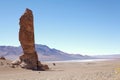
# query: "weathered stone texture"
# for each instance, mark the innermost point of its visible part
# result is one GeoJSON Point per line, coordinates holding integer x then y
{"type": "Point", "coordinates": [26, 38]}
{"type": "Point", "coordinates": [29, 59]}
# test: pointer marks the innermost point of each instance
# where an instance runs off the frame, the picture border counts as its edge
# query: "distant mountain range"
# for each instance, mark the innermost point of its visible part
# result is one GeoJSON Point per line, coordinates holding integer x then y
{"type": "Point", "coordinates": [44, 52]}
{"type": "Point", "coordinates": [113, 56]}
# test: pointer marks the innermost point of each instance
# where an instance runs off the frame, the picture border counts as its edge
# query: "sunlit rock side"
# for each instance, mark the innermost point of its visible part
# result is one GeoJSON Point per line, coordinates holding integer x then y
{"type": "Point", "coordinates": [29, 59]}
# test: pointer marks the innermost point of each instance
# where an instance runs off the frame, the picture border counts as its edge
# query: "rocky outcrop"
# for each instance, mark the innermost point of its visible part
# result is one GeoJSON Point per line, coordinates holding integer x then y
{"type": "Point", "coordinates": [29, 59]}
{"type": "Point", "coordinates": [2, 58]}
{"type": "Point", "coordinates": [16, 62]}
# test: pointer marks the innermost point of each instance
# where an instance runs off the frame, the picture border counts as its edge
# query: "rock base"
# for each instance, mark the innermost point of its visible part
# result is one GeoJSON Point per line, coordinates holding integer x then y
{"type": "Point", "coordinates": [24, 65]}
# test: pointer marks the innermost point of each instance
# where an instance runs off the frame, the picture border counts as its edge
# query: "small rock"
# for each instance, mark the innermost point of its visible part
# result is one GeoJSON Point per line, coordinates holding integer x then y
{"type": "Point", "coordinates": [16, 62]}
{"type": "Point", "coordinates": [54, 64]}
{"type": "Point", "coordinates": [2, 58]}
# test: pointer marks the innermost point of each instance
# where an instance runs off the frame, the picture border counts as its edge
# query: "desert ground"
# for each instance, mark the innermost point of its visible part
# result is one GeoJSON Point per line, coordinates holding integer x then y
{"type": "Point", "coordinates": [100, 70]}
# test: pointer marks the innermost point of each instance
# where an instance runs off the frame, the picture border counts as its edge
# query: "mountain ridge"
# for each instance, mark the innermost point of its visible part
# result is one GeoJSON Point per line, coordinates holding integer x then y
{"type": "Point", "coordinates": [44, 52]}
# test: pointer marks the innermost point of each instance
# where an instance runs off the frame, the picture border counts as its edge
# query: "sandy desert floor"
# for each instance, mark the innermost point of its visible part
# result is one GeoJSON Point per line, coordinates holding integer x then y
{"type": "Point", "coordinates": [101, 70]}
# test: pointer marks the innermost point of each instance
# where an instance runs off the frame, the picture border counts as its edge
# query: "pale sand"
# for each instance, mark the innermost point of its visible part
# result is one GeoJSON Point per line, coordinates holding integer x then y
{"type": "Point", "coordinates": [104, 70]}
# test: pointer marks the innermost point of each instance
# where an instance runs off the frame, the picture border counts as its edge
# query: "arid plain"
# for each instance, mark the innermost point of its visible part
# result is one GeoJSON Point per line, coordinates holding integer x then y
{"type": "Point", "coordinates": [100, 70]}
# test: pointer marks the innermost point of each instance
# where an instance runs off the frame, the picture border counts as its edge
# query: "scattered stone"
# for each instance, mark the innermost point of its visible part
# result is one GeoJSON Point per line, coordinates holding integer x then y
{"type": "Point", "coordinates": [54, 64]}
{"type": "Point", "coordinates": [23, 65]}
{"type": "Point", "coordinates": [2, 58]}
{"type": "Point", "coordinates": [16, 62]}
{"type": "Point", "coordinates": [43, 67]}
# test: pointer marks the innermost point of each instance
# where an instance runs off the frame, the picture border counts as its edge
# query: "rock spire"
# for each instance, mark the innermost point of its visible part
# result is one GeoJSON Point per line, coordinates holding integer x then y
{"type": "Point", "coordinates": [29, 59]}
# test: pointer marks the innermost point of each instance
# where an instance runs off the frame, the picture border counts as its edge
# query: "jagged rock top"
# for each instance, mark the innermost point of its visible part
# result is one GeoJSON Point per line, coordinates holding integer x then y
{"type": "Point", "coordinates": [26, 21]}
{"type": "Point", "coordinates": [28, 11]}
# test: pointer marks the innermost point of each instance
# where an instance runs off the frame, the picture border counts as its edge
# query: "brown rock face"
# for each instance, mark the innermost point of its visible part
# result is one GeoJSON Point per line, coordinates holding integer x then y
{"type": "Point", "coordinates": [29, 59]}
{"type": "Point", "coordinates": [26, 38]}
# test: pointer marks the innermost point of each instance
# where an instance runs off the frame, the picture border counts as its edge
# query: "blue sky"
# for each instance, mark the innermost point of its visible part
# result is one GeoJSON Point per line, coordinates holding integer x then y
{"type": "Point", "coordinates": [88, 27]}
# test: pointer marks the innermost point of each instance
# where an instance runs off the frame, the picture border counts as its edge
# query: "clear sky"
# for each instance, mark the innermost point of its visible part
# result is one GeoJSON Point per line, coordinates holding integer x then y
{"type": "Point", "coordinates": [89, 27]}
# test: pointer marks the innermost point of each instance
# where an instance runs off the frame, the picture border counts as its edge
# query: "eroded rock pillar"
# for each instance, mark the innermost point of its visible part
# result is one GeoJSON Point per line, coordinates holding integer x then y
{"type": "Point", "coordinates": [26, 37]}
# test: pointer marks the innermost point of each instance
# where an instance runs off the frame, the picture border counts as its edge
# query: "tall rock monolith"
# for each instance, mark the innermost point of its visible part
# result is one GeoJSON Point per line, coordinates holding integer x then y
{"type": "Point", "coordinates": [29, 59]}
{"type": "Point", "coordinates": [26, 37]}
